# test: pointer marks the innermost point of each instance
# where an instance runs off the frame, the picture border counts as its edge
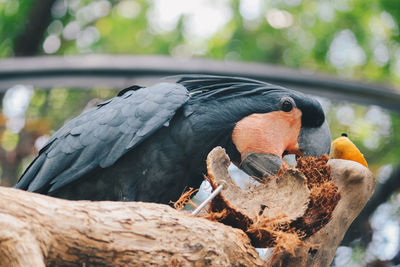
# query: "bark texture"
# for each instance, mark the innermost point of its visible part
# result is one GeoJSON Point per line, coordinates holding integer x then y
{"type": "Point", "coordinates": [37, 230]}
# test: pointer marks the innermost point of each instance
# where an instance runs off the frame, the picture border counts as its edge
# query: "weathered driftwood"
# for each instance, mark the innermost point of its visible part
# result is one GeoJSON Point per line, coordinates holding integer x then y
{"type": "Point", "coordinates": [38, 230]}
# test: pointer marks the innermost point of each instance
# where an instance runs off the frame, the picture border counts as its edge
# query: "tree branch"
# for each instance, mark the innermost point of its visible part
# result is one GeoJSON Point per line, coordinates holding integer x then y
{"type": "Point", "coordinates": [29, 41]}
{"type": "Point", "coordinates": [360, 228]}
{"type": "Point", "coordinates": [37, 230]}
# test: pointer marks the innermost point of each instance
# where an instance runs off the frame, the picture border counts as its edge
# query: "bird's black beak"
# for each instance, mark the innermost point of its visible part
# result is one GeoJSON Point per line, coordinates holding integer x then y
{"type": "Point", "coordinates": [261, 165]}
{"type": "Point", "coordinates": [315, 141]}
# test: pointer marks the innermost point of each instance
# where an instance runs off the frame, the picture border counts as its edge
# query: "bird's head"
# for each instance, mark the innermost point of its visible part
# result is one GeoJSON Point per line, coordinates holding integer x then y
{"type": "Point", "coordinates": [262, 118]}
{"type": "Point", "coordinates": [293, 124]}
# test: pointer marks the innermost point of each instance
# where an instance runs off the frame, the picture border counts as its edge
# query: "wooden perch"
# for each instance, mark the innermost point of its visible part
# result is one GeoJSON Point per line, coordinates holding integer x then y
{"type": "Point", "coordinates": [37, 230]}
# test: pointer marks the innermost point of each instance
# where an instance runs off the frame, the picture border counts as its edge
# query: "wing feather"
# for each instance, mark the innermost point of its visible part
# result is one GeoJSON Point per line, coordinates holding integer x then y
{"type": "Point", "coordinates": [99, 137]}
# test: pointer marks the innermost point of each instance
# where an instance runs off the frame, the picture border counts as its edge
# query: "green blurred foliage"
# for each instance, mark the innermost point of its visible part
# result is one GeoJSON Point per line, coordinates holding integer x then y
{"type": "Point", "coordinates": [13, 15]}
{"type": "Point", "coordinates": [128, 27]}
{"type": "Point", "coordinates": [131, 27]}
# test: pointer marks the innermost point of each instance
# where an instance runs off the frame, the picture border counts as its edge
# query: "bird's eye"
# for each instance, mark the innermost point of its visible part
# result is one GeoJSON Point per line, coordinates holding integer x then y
{"type": "Point", "coordinates": [287, 104]}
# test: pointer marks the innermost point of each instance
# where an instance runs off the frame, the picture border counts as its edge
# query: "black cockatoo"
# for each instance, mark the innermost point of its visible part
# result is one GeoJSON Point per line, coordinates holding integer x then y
{"type": "Point", "coordinates": [148, 144]}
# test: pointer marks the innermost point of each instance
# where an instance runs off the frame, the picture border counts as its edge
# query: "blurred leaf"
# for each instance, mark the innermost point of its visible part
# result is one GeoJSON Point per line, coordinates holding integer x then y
{"type": "Point", "coordinates": [9, 140]}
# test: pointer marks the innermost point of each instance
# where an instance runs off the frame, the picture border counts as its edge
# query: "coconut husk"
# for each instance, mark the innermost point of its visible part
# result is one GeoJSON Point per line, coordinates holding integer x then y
{"type": "Point", "coordinates": [282, 211]}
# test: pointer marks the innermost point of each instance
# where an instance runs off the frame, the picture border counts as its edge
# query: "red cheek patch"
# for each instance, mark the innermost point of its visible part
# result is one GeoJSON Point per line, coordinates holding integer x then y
{"type": "Point", "coordinates": [274, 132]}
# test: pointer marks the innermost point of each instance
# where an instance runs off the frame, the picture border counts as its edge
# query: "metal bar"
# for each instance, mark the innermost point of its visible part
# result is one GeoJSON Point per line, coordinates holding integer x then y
{"type": "Point", "coordinates": [119, 71]}
{"type": "Point", "coordinates": [205, 202]}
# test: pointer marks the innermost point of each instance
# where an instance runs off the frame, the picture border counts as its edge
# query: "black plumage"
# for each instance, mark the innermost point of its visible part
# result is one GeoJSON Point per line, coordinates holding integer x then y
{"type": "Point", "coordinates": [148, 144]}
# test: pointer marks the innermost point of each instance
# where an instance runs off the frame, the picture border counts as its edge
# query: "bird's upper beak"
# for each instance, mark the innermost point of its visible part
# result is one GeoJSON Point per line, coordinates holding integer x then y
{"type": "Point", "coordinates": [315, 141]}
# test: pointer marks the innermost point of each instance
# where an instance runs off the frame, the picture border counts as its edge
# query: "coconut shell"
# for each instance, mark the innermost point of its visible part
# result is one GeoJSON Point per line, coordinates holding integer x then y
{"type": "Point", "coordinates": [286, 206]}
